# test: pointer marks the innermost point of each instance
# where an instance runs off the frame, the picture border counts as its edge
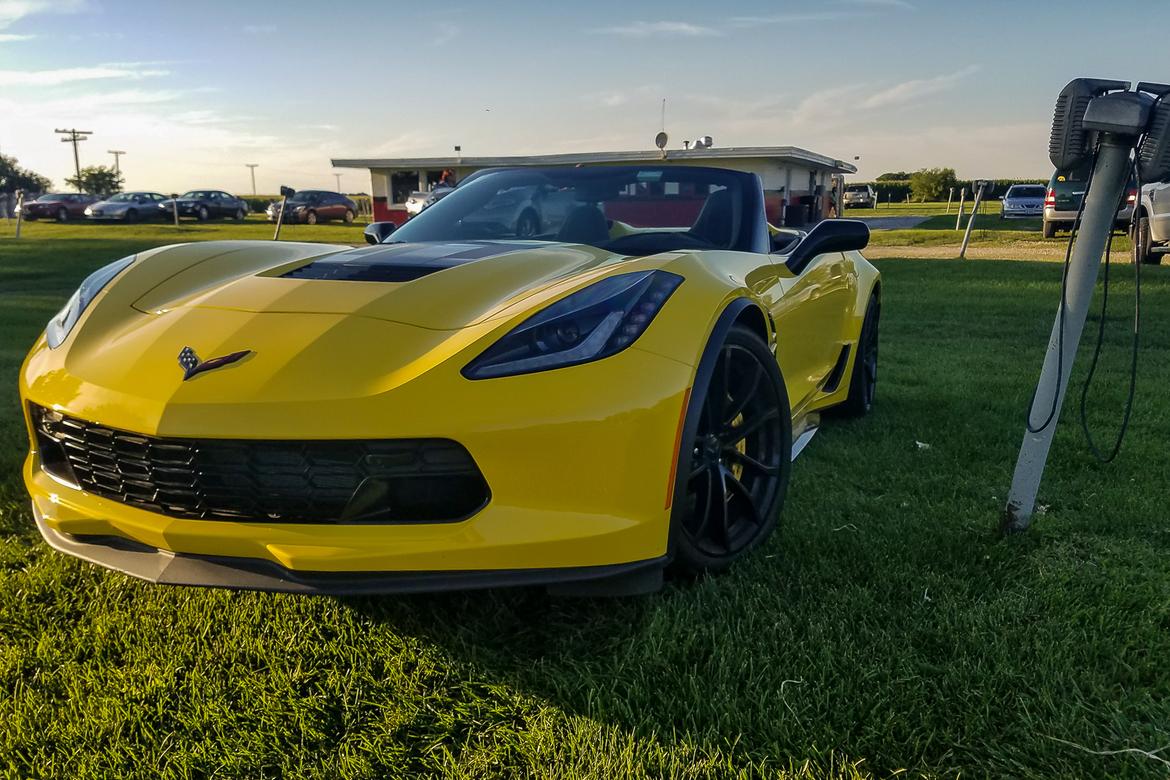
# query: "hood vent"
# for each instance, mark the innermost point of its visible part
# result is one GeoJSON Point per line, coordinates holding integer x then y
{"type": "Point", "coordinates": [399, 263]}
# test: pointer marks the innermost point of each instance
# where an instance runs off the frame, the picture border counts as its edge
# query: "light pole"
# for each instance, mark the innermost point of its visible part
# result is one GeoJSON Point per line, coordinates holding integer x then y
{"type": "Point", "coordinates": [252, 169]}
{"type": "Point", "coordinates": [117, 154]}
{"type": "Point", "coordinates": [338, 177]}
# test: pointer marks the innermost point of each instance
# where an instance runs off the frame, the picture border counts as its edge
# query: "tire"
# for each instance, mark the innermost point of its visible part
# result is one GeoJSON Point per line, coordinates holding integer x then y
{"type": "Point", "coordinates": [62, 215]}
{"type": "Point", "coordinates": [239, 215]}
{"type": "Point", "coordinates": [863, 377]}
{"type": "Point", "coordinates": [1146, 253]}
{"type": "Point", "coordinates": [527, 224]}
{"type": "Point", "coordinates": [349, 216]}
{"type": "Point", "coordinates": [131, 217]}
{"type": "Point", "coordinates": [1049, 229]}
{"type": "Point", "coordinates": [730, 490]}
{"type": "Point", "coordinates": [311, 218]}
{"type": "Point", "coordinates": [202, 214]}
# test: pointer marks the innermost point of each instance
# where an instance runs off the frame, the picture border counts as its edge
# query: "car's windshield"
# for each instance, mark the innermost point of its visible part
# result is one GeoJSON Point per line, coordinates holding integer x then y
{"type": "Point", "coordinates": [302, 197]}
{"type": "Point", "coordinates": [52, 196]}
{"type": "Point", "coordinates": [857, 188]}
{"type": "Point", "coordinates": [1018, 191]}
{"type": "Point", "coordinates": [121, 197]}
{"type": "Point", "coordinates": [194, 195]}
{"type": "Point", "coordinates": [627, 210]}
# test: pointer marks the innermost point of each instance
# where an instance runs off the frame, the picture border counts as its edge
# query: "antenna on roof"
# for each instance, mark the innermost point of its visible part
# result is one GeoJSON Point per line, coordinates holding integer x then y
{"type": "Point", "coordinates": [663, 116]}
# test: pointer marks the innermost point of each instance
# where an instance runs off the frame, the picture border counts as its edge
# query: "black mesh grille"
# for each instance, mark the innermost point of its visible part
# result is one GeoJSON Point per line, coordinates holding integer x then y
{"type": "Point", "coordinates": [343, 481]}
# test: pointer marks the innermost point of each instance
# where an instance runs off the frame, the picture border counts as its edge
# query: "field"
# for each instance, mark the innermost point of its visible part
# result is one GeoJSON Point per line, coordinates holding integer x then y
{"type": "Point", "coordinates": [886, 626]}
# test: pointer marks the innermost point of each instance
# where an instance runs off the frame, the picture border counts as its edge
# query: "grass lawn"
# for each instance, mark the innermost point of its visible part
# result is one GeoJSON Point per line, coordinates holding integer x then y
{"type": "Point", "coordinates": [922, 209]}
{"type": "Point", "coordinates": [884, 627]}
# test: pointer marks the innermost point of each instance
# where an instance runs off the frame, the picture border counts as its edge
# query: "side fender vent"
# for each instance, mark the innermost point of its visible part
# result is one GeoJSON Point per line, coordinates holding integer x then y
{"type": "Point", "coordinates": [833, 380]}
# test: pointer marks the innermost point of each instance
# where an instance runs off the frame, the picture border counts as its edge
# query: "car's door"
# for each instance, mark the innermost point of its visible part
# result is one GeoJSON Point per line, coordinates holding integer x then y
{"type": "Point", "coordinates": [810, 323]}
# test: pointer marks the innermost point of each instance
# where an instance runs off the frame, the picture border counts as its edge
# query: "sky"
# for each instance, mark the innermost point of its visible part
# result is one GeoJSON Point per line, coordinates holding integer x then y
{"type": "Point", "coordinates": [194, 91]}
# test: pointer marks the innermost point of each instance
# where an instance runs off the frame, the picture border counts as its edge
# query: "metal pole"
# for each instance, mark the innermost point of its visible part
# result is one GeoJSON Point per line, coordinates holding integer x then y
{"type": "Point", "coordinates": [175, 207]}
{"type": "Point", "coordinates": [950, 197]}
{"type": "Point", "coordinates": [279, 218]}
{"type": "Point", "coordinates": [117, 159]}
{"type": "Point", "coordinates": [962, 200]}
{"type": "Point", "coordinates": [252, 167]}
{"type": "Point", "coordinates": [971, 220]}
{"type": "Point", "coordinates": [338, 177]}
{"type": "Point", "coordinates": [19, 210]}
{"type": "Point", "coordinates": [1109, 176]}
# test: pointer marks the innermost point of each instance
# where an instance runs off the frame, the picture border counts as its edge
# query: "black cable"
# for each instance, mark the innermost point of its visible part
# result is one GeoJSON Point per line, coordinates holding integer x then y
{"type": "Point", "coordinates": [1063, 307]}
{"type": "Point", "coordinates": [1137, 315]}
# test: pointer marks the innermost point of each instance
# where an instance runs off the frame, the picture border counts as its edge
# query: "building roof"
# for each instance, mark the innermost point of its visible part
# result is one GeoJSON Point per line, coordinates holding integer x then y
{"type": "Point", "coordinates": [782, 154]}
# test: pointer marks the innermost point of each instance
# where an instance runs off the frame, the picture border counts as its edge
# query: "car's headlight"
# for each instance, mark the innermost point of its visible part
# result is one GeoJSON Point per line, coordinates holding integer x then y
{"type": "Point", "coordinates": [61, 324]}
{"type": "Point", "coordinates": [595, 322]}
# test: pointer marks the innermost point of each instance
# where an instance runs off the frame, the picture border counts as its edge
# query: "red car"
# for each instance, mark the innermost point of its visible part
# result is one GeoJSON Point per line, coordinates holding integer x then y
{"type": "Point", "coordinates": [60, 206]}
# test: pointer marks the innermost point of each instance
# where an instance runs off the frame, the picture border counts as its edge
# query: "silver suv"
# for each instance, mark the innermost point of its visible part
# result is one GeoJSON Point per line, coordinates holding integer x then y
{"type": "Point", "coordinates": [860, 196]}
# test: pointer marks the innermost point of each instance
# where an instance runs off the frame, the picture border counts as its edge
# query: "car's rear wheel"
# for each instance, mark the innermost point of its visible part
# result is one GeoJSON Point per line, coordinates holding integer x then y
{"type": "Point", "coordinates": [863, 379]}
{"type": "Point", "coordinates": [62, 214]}
{"type": "Point", "coordinates": [349, 216]}
{"type": "Point", "coordinates": [1049, 229]}
{"type": "Point", "coordinates": [734, 468]}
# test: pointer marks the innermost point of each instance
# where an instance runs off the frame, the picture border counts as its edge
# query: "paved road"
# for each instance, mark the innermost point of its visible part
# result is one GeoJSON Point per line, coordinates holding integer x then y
{"type": "Point", "coordinates": [893, 223]}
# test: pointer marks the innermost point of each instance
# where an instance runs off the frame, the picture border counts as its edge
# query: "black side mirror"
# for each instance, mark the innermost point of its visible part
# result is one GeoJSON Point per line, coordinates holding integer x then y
{"type": "Point", "coordinates": [832, 235]}
{"type": "Point", "coordinates": [287, 192]}
{"type": "Point", "coordinates": [377, 232]}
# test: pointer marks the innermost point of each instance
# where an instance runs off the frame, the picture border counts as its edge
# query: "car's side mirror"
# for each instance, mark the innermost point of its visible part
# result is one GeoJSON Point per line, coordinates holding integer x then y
{"type": "Point", "coordinates": [832, 235]}
{"type": "Point", "coordinates": [377, 232]}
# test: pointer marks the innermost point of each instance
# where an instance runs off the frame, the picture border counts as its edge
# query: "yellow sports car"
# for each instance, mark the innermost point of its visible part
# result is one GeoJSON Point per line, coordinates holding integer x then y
{"type": "Point", "coordinates": [565, 377]}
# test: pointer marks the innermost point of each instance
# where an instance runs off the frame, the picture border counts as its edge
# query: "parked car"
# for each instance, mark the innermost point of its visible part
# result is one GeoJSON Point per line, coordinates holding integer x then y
{"type": "Point", "coordinates": [60, 206]}
{"type": "Point", "coordinates": [437, 194]}
{"type": "Point", "coordinates": [1063, 201]}
{"type": "Point", "coordinates": [1023, 200]}
{"type": "Point", "coordinates": [1154, 222]}
{"type": "Point", "coordinates": [205, 204]}
{"type": "Point", "coordinates": [523, 212]}
{"type": "Point", "coordinates": [859, 196]}
{"type": "Point", "coordinates": [313, 206]}
{"type": "Point", "coordinates": [416, 203]}
{"type": "Point", "coordinates": [127, 207]}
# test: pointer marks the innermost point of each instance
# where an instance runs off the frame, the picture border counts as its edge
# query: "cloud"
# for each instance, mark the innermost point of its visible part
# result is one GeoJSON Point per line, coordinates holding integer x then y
{"type": "Point", "coordinates": [59, 76]}
{"type": "Point", "coordinates": [659, 29]}
{"type": "Point", "coordinates": [901, 4]}
{"type": "Point", "coordinates": [12, 11]}
{"type": "Point", "coordinates": [911, 90]}
{"type": "Point", "coordinates": [10, 37]}
{"type": "Point", "coordinates": [259, 29]}
{"type": "Point", "coordinates": [445, 32]}
{"type": "Point", "coordinates": [787, 18]}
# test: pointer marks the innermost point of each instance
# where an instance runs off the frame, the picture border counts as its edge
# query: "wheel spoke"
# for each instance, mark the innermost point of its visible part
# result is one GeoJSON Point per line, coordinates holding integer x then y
{"type": "Point", "coordinates": [733, 436]}
{"type": "Point", "coordinates": [747, 461]}
{"type": "Point", "coordinates": [738, 406]}
{"type": "Point", "coordinates": [705, 515]}
{"type": "Point", "coordinates": [741, 490]}
{"type": "Point", "coordinates": [724, 526]}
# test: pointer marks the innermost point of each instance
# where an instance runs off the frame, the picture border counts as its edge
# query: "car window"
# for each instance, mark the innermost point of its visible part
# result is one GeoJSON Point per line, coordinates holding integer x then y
{"type": "Point", "coordinates": [1018, 191]}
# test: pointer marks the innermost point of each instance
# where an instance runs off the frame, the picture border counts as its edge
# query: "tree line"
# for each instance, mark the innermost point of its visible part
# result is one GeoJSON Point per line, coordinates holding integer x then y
{"type": "Point", "coordinates": [95, 179]}
{"type": "Point", "coordinates": [934, 184]}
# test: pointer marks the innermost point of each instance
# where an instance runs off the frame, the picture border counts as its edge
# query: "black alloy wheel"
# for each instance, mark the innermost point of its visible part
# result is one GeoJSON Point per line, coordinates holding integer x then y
{"type": "Point", "coordinates": [863, 378]}
{"type": "Point", "coordinates": [737, 463]}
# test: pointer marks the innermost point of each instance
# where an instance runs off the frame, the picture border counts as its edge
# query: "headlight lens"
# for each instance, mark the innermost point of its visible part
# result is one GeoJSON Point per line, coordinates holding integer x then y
{"type": "Point", "coordinates": [593, 323]}
{"type": "Point", "coordinates": [61, 324]}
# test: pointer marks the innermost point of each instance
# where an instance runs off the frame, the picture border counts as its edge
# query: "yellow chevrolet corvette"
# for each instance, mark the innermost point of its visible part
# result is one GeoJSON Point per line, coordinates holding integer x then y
{"type": "Point", "coordinates": [574, 378]}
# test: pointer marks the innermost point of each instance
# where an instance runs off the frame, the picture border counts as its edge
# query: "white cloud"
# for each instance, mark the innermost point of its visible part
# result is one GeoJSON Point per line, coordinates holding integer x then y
{"type": "Point", "coordinates": [12, 11]}
{"type": "Point", "coordinates": [911, 90]}
{"type": "Point", "coordinates": [10, 37]}
{"type": "Point", "coordinates": [659, 29]}
{"type": "Point", "coordinates": [787, 18]}
{"type": "Point", "coordinates": [901, 4]}
{"type": "Point", "coordinates": [59, 76]}
{"type": "Point", "coordinates": [445, 32]}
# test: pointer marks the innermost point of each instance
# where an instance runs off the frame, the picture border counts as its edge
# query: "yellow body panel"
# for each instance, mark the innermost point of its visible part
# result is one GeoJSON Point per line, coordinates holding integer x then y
{"type": "Point", "coordinates": [578, 460]}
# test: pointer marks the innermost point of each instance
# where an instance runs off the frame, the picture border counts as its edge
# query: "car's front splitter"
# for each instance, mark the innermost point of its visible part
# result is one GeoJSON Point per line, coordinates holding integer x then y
{"type": "Point", "coordinates": [216, 571]}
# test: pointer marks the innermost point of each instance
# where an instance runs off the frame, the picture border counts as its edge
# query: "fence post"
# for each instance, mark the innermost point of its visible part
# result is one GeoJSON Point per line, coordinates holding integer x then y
{"type": "Point", "coordinates": [962, 200]}
{"type": "Point", "coordinates": [971, 221]}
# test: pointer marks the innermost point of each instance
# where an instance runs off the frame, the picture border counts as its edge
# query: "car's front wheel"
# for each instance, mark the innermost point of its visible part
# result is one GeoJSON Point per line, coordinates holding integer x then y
{"type": "Point", "coordinates": [62, 215]}
{"type": "Point", "coordinates": [311, 218]}
{"type": "Point", "coordinates": [131, 216]}
{"type": "Point", "coordinates": [349, 216]}
{"type": "Point", "coordinates": [1145, 248]}
{"type": "Point", "coordinates": [203, 214]}
{"type": "Point", "coordinates": [239, 215]}
{"type": "Point", "coordinates": [733, 469]}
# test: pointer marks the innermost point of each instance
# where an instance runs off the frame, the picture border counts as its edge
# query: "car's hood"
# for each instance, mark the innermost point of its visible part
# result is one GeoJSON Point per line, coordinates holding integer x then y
{"type": "Point", "coordinates": [113, 205]}
{"type": "Point", "coordinates": [439, 286]}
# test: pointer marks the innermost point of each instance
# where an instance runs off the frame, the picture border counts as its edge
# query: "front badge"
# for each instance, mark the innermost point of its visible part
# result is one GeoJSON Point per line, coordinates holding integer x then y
{"type": "Point", "coordinates": [192, 365]}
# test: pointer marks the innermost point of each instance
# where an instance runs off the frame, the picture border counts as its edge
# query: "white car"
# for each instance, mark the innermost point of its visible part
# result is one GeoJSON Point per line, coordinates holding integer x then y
{"type": "Point", "coordinates": [1154, 222]}
{"type": "Point", "coordinates": [416, 203]}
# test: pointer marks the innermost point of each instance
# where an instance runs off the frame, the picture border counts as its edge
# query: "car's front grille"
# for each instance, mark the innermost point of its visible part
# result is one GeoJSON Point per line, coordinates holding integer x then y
{"type": "Point", "coordinates": [317, 481]}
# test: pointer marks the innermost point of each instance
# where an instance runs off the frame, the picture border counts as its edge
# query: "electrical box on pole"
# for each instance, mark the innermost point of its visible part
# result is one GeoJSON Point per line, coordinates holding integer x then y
{"type": "Point", "coordinates": [1103, 123]}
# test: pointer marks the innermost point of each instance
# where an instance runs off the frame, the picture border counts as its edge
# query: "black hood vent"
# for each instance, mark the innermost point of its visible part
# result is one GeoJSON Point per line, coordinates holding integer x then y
{"type": "Point", "coordinates": [399, 262]}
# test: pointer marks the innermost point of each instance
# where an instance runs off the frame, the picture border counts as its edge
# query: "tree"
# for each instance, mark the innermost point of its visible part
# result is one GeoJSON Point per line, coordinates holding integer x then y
{"type": "Point", "coordinates": [13, 177]}
{"type": "Point", "coordinates": [894, 176]}
{"type": "Point", "coordinates": [931, 183]}
{"type": "Point", "coordinates": [97, 180]}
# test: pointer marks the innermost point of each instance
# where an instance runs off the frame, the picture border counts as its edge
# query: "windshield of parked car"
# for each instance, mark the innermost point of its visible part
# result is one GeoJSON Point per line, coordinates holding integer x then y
{"type": "Point", "coordinates": [194, 195]}
{"type": "Point", "coordinates": [302, 197]}
{"type": "Point", "coordinates": [626, 210]}
{"type": "Point", "coordinates": [857, 188]}
{"type": "Point", "coordinates": [52, 196]}
{"type": "Point", "coordinates": [121, 197]}
{"type": "Point", "coordinates": [1018, 191]}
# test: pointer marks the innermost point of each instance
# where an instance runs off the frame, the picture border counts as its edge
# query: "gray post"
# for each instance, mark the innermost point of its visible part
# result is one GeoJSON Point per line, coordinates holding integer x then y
{"type": "Point", "coordinates": [971, 219]}
{"type": "Point", "coordinates": [20, 210]}
{"type": "Point", "coordinates": [279, 218]}
{"type": "Point", "coordinates": [962, 200]}
{"type": "Point", "coordinates": [252, 168]}
{"type": "Point", "coordinates": [950, 197]}
{"type": "Point", "coordinates": [1109, 176]}
{"type": "Point", "coordinates": [175, 207]}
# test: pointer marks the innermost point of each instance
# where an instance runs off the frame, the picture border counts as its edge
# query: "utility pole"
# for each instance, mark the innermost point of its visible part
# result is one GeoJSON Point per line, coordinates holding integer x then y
{"type": "Point", "coordinates": [117, 154]}
{"type": "Point", "coordinates": [253, 167]}
{"type": "Point", "coordinates": [73, 136]}
{"type": "Point", "coordinates": [338, 177]}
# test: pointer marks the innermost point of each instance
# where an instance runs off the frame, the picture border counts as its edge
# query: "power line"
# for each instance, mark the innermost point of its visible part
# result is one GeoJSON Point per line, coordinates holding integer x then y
{"type": "Point", "coordinates": [73, 136]}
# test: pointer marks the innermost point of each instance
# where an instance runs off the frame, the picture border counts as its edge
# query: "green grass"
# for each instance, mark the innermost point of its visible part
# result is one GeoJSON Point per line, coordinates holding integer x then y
{"type": "Point", "coordinates": [921, 209]}
{"type": "Point", "coordinates": [885, 626]}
